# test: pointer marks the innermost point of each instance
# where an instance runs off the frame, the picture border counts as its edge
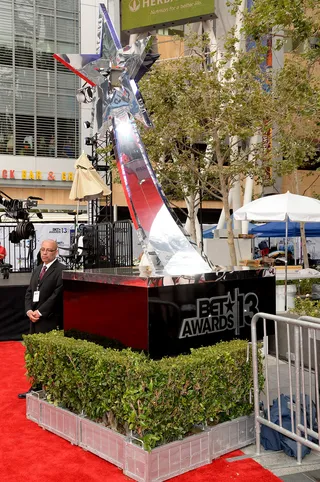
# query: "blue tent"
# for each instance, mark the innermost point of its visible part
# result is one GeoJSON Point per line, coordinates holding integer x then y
{"type": "Point", "coordinates": [209, 234]}
{"type": "Point", "coordinates": [278, 230]}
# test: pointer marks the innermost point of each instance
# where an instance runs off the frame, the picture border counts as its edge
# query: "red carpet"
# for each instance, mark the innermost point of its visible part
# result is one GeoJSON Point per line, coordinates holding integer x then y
{"type": "Point", "coordinates": [29, 453]}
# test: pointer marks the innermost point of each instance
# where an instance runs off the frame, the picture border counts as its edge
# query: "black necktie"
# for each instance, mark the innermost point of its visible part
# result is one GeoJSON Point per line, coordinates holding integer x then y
{"type": "Point", "coordinates": [44, 269]}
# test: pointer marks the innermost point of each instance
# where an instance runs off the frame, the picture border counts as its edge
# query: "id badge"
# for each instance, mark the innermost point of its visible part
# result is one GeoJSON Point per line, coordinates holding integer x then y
{"type": "Point", "coordinates": [36, 296]}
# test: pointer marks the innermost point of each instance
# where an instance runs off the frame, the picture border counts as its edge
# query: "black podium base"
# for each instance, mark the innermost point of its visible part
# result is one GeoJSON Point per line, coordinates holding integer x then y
{"type": "Point", "coordinates": [166, 315]}
{"type": "Point", "coordinates": [13, 320]}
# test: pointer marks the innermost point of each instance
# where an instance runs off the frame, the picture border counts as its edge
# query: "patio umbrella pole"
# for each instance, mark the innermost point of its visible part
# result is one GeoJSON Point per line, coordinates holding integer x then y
{"type": "Point", "coordinates": [286, 267]}
{"type": "Point", "coordinates": [77, 220]}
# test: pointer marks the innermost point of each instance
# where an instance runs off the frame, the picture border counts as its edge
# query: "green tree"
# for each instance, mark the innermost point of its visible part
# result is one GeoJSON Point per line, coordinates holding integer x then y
{"type": "Point", "coordinates": [294, 20]}
{"type": "Point", "coordinates": [198, 101]}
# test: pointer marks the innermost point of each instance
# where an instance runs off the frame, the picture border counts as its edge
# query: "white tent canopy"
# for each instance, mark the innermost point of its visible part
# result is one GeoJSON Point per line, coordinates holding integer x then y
{"type": "Point", "coordinates": [281, 207]}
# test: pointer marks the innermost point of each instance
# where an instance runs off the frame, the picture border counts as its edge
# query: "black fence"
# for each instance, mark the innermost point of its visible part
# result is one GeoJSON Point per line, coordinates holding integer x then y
{"type": "Point", "coordinates": [108, 245]}
{"type": "Point", "coordinates": [19, 255]}
{"type": "Point", "coordinates": [105, 245]}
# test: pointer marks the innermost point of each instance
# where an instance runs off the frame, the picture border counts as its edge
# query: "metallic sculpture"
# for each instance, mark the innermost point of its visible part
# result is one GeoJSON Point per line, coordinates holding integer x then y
{"type": "Point", "coordinates": [109, 75]}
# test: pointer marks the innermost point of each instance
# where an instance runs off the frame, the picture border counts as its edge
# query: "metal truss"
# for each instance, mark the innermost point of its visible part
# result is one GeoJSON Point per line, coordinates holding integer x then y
{"type": "Point", "coordinates": [100, 212]}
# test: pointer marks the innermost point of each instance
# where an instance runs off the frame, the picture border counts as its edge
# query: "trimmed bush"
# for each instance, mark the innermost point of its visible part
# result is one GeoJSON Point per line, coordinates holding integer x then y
{"type": "Point", "coordinates": [304, 285]}
{"type": "Point", "coordinates": [306, 307]}
{"type": "Point", "coordinates": [158, 400]}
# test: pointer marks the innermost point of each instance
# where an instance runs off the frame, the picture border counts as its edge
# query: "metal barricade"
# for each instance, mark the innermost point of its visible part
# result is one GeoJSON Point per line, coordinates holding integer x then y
{"type": "Point", "coordinates": [299, 375]}
{"type": "Point", "coordinates": [18, 255]}
{"type": "Point", "coordinates": [108, 245]}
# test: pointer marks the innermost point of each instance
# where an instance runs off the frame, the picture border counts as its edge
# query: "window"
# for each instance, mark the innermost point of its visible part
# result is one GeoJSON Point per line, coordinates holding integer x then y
{"type": "Point", "coordinates": [39, 114]}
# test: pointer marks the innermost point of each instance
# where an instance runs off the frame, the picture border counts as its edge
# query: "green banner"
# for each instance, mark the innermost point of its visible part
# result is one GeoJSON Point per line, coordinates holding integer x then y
{"type": "Point", "coordinates": [140, 14]}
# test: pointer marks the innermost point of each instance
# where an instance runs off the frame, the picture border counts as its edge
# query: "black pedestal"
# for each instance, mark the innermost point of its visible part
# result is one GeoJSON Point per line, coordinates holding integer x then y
{"type": "Point", "coordinates": [164, 315]}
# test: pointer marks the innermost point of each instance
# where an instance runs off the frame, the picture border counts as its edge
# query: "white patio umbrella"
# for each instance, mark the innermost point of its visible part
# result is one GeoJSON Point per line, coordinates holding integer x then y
{"type": "Point", "coordinates": [281, 207]}
{"type": "Point", "coordinates": [87, 184]}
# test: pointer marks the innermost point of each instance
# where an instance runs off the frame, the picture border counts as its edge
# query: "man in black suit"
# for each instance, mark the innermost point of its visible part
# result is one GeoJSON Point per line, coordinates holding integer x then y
{"type": "Point", "coordinates": [44, 296]}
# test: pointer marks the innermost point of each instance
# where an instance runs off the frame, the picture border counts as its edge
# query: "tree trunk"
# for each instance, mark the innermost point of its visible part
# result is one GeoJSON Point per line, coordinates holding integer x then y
{"type": "Point", "coordinates": [236, 187]}
{"type": "Point", "coordinates": [249, 184]}
{"type": "Point", "coordinates": [192, 221]}
{"type": "Point", "coordinates": [225, 201]}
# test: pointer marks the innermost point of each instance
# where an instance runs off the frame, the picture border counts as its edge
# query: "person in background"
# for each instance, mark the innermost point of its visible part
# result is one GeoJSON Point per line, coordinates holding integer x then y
{"type": "Point", "coordinates": [26, 150]}
{"type": "Point", "coordinates": [10, 144]}
{"type": "Point", "coordinates": [264, 248]}
{"type": "Point", "coordinates": [42, 146]}
{"type": "Point", "coordinates": [51, 149]}
{"type": "Point", "coordinates": [67, 149]}
{"type": "Point", "coordinates": [291, 260]}
{"type": "Point", "coordinates": [44, 295]}
{"type": "Point", "coordinates": [3, 253]}
{"type": "Point", "coordinates": [28, 140]}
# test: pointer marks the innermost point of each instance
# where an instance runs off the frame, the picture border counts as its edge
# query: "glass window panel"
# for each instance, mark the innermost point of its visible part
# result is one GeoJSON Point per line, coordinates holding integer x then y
{"type": "Point", "coordinates": [23, 53]}
{"type": "Point", "coordinates": [68, 134]}
{"type": "Point", "coordinates": [6, 100]}
{"type": "Point", "coordinates": [45, 45]}
{"type": "Point", "coordinates": [45, 61]}
{"type": "Point", "coordinates": [24, 21]}
{"type": "Point", "coordinates": [45, 27]}
{"type": "Point", "coordinates": [24, 103]}
{"type": "Point", "coordinates": [6, 133]}
{"type": "Point", "coordinates": [6, 96]}
{"type": "Point", "coordinates": [33, 40]}
{"type": "Point", "coordinates": [62, 68]}
{"type": "Point", "coordinates": [45, 11]}
{"type": "Point", "coordinates": [24, 77]}
{"type": "Point", "coordinates": [45, 3]}
{"type": "Point", "coordinates": [5, 26]}
{"type": "Point", "coordinates": [6, 89]}
{"type": "Point", "coordinates": [67, 48]}
{"type": "Point", "coordinates": [5, 55]}
{"type": "Point", "coordinates": [66, 106]}
{"type": "Point", "coordinates": [45, 104]}
{"type": "Point", "coordinates": [67, 30]}
{"type": "Point", "coordinates": [20, 4]}
{"type": "Point", "coordinates": [24, 135]}
{"type": "Point", "coordinates": [68, 5]}
{"type": "Point", "coordinates": [45, 136]}
{"type": "Point", "coordinates": [67, 15]}
{"type": "Point", "coordinates": [65, 81]}
{"type": "Point", "coordinates": [46, 78]}
{"type": "Point", "coordinates": [6, 74]}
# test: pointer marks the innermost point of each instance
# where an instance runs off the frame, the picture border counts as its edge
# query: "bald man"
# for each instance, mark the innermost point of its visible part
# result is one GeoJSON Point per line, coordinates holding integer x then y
{"type": "Point", "coordinates": [44, 296]}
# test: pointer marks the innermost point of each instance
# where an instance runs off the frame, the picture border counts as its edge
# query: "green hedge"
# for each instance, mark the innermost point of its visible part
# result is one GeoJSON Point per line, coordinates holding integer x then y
{"type": "Point", "coordinates": [159, 400]}
{"type": "Point", "coordinates": [306, 307]}
{"type": "Point", "coordinates": [304, 285]}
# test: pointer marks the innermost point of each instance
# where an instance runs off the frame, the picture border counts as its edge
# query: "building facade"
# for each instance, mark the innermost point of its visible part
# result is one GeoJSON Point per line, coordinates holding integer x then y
{"type": "Point", "coordinates": [41, 122]}
{"type": "Point", "coordinates": [41, 131]}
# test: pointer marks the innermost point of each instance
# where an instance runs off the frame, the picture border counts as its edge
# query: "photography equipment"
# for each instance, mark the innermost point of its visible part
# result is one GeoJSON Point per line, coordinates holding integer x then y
{"type": "Point", "coordinates": [24, 230]}
{"type": "Point", "coordinates": [85, 94]}
{"type": "Point", "coordinates": [19, 209]}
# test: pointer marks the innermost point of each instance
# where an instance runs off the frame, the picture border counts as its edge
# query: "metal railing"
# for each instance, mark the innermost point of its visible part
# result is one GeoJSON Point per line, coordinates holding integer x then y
{"type": "Point", "coordinates": [108, 245]}
{"type": "Point", "coordinates": [299, 375]}
{"type": "Point", "coordinates": [19, 255]}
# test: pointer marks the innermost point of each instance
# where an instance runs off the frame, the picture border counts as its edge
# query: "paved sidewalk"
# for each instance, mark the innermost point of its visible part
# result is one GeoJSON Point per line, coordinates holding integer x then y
{"type": "Point", "coordinates": [280, 464]}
